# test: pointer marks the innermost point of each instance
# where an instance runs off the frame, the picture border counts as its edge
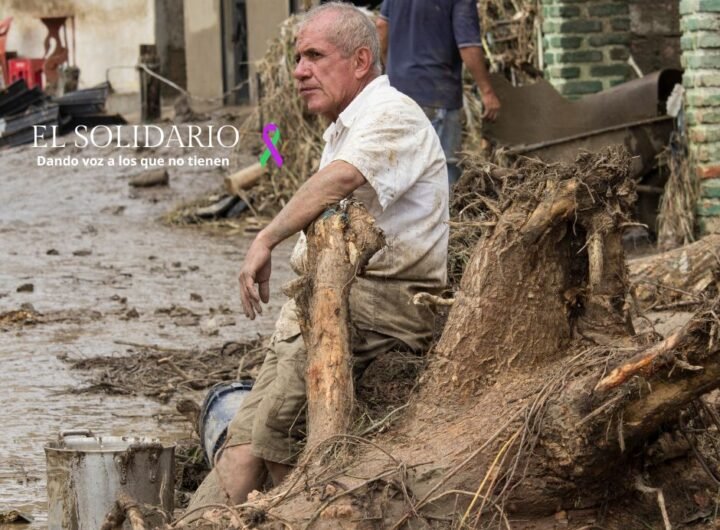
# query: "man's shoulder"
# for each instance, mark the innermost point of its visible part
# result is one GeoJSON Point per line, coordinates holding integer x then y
{"type": "Point", "coordinates": [389, 102]}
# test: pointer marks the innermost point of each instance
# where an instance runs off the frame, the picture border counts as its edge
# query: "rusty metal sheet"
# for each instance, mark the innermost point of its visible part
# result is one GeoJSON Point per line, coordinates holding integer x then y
{"type": "Point", "coordinates": [537, 113]}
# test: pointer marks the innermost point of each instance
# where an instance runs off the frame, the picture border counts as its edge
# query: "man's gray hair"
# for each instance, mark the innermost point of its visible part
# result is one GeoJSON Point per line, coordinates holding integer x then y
{"type": "Point", "coordinates": [352, 29]}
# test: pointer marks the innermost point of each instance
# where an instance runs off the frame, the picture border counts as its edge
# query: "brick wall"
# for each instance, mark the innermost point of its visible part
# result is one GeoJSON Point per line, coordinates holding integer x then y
{"type": "Point", "coordinates": [700, 42]}
{"type": "Point", "coordinates": [586, 44]}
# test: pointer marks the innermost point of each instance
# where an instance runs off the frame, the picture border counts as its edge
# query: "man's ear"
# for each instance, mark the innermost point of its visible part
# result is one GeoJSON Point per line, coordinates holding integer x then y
{"type": "Point", "coordinates": [363, 62]}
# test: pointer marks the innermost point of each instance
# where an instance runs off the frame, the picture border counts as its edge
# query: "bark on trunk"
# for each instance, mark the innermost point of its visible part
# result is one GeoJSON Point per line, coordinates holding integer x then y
{"type": "Point", "coordinates": [340, 243]}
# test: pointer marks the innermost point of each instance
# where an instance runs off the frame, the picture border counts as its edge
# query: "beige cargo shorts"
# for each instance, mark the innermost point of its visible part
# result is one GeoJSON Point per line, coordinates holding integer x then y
{"type": "Point", "coordinates": [272, 417]}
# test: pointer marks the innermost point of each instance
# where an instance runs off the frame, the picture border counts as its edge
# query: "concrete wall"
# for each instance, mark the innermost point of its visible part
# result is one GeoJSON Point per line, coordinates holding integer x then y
{"type": "Point", "coordinates": [107, 34]}
{"type": "Point", "coordinates": [203, 48]}
{"type": "Point", "coordinates": [263, 21]}
{"type": "Point", "coordinates": [655, 34]}
{"type": "Point", "coordinates": [586, 44]}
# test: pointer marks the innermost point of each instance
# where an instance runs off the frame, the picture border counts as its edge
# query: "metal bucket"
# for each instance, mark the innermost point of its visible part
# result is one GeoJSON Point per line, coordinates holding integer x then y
{"type": "Point", "coordinates": [85, 474]}
{"type": "Point", "coordinates": [218, 409]}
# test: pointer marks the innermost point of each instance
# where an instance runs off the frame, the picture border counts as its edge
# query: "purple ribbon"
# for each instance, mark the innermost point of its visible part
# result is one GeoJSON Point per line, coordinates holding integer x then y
{"type": "Point", "coordinates": [270, 143]}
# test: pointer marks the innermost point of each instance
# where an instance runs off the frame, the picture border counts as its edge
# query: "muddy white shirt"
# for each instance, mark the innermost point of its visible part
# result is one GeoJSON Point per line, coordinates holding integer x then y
{"type": "Point", "coordinates": [388, 138]}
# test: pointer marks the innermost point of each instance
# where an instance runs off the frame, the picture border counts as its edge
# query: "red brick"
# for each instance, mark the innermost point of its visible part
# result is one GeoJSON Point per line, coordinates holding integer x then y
{"type": "Point", "coordinates": [708, 172]}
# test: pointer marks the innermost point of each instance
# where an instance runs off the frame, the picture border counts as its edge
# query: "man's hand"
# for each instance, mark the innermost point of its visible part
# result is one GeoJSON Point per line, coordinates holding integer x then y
{"type": "Point", "coordinates": [255, 270]}
{"type": "Point", "coordinates": [474, 59]}
{"type": "Point", "coordinates": [331, 184]}
{"type": "Point", "coordinates": [491, 105]}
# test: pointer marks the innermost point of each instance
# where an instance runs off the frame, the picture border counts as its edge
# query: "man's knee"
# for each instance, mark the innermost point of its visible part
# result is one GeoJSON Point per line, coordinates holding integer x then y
{"type": "Point", "coordinates": [236, 458]}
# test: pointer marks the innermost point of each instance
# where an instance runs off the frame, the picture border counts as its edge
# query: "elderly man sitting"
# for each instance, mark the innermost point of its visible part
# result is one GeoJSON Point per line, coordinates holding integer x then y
{"type": "Point", "coordinates": [382, 150]}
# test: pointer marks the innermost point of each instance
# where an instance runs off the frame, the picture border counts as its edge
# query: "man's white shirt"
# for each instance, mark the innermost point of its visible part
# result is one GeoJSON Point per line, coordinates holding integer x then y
{"type": "Point", "coordinates": [388, 138]}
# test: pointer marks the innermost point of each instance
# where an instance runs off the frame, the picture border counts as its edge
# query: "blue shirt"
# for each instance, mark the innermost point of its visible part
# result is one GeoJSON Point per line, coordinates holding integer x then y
{"type": "Point", "coordinates": [423, 41]}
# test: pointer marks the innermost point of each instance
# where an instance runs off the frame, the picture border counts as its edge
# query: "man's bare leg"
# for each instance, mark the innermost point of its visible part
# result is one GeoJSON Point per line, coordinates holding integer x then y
{"type": "Point", "coordinates": [240, 472]}
{"type": "Point", "coordinates": [278, 472]}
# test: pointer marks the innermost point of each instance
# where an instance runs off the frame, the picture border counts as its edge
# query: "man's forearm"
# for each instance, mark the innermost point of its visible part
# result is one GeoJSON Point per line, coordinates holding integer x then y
{"type": "Point", "coordinates": [328, 186]}
{"type": "Point", "coordinates": [474, 59]}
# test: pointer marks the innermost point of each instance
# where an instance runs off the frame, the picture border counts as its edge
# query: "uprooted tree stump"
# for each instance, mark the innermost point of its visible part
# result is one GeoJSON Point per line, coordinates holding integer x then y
{"type": "Point", "coordinates": [539, 396]}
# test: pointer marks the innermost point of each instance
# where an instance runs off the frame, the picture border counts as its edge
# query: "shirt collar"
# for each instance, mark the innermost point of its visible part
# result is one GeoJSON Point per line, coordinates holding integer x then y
{"type": "Point", "coordinates": [347, 116]}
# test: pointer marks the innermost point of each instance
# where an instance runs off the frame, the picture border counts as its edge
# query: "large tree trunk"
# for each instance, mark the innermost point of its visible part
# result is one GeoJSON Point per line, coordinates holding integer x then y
{"type": "Point", "coordinates": [539, 396]}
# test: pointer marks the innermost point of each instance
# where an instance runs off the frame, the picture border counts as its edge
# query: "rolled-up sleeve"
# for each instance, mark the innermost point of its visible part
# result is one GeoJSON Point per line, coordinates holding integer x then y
{"type": "Point", "coordinates": [466, 24]}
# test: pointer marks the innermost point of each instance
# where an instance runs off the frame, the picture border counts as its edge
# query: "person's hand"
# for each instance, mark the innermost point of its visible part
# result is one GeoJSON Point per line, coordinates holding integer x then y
{"type": "Point", "coordinates": [255, 270]}
{"type": "Point", "coordinates": [491, 105]}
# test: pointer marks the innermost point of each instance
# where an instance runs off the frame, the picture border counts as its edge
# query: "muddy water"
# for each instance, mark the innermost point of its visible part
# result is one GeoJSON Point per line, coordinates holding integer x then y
{"type": "Point", "coordinates": [93, 249]}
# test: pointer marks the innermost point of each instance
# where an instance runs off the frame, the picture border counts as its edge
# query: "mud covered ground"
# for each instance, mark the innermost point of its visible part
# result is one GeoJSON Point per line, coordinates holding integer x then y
{"type": "Point", "coordinates": [88, 269]}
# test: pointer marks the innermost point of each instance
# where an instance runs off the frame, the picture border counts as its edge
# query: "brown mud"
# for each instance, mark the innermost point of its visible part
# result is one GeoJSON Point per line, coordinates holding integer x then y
{"type": "Point", "coordinates": [88, 270]}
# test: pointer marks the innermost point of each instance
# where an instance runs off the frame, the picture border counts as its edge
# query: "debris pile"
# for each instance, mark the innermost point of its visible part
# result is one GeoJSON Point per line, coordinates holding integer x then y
{"type": "Point", "coordinates": [160, 373]}
{"type": "Point", "coordinates": [510, 37]}
{"type": "Point", "coordinates": [21, 108]}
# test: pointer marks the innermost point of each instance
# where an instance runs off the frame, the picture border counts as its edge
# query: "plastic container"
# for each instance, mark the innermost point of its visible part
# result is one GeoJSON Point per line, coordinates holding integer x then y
{"type": "Point", "coordinates": [86, 472]}
{"type": "Point", "coordinates": [219, 407]}
{"type": "Point", "coordinates": [31, 70]}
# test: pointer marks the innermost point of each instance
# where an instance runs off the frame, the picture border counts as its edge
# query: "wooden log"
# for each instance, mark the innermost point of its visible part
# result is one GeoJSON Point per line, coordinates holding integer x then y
{"type": "Point", "coordinates": [245, 178]}
{"type": "Point", "coordinates": [677, 276]}
{"type": "Point", "coordinates": [340, 244]}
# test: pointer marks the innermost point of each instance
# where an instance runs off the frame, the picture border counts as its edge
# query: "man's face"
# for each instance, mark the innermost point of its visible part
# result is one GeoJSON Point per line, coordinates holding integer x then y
{"type": "Point", "coordinates": [325, 79]}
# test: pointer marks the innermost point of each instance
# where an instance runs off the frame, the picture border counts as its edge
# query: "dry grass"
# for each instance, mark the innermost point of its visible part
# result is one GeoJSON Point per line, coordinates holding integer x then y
{"type": "Point", "coordinates": [510, 37]}
{"type": "Point", "coordinates": [160, 373]}
{"type": "Point", "coordinates": [676, 220]}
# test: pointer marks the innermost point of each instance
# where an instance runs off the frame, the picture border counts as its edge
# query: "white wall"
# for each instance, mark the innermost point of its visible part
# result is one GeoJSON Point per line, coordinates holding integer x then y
{"type": "Point", "coordinates": [107, 33]}
{"type": "Point", "coordinates": [203, 48]}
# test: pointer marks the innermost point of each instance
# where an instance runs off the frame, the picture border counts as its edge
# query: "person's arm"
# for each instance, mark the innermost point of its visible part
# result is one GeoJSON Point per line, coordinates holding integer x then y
{"type": "Point", "coordinates": [382, 29]}
{"type": "Point", "coordinates": [474, 59]}
{"type": "Point", "coordinates": [328, 186]}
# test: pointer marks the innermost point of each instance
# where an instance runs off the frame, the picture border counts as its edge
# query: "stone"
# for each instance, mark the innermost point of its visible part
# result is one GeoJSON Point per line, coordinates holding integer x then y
{"type": "Point", "coordinates": [607, 10]}
{"type": "Point", "coordinates": [564, 72]}
{"type": "Point", "coordinates": [619, 54]}
{"type": "Point", "coordinates": [709, 152]}
{"type": "Point", "coordinates": [620, 24]}
{"type": "Point", "coordinates": [700, 22]}
{"type": "Point", "coordinates": [701, 134]}
{"type": "Point", "coordinates": [710, 188]}
{"type": "Point", "coordinates": [701, 116]}
{"type": "Point", "coordinates": [581, 26]}
{"type": "Point", "coordinates": [580, 56]}
{"type": "Point", "coordinates": [701, 59]}
{"type": "Point", "coordinates": [707, 171]}
{"type": "Point", "coordinates": [562, 11]}
{"type": "Point", "coordinates": [701, 78]}
{"type": "Point", "coordinates": [607, 39]}
{"type": "Point", "coordinates": [579, 88]}
{"type": "Point", "coordinates": [703, 97]}
{"type": "Point", "coordinates": [564, 42]}
{"type": "Point", "coordinates": [708, 207]}
{"type": "Point", "coordinates": [604, 70]}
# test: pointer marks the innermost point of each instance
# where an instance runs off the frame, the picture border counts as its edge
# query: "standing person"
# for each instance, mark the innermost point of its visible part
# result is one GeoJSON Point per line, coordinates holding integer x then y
{"type": "Point", "coordinates": [382, 150]}
{"type": "Point", "coordinates": [424, 44]}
